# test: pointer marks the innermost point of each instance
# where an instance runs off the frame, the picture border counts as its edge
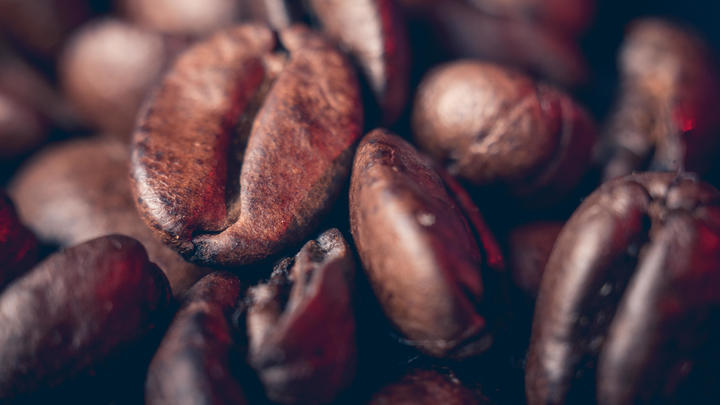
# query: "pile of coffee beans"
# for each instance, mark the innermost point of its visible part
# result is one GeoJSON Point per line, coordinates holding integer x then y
{"type": "Point", "coordinates": [359, 202]}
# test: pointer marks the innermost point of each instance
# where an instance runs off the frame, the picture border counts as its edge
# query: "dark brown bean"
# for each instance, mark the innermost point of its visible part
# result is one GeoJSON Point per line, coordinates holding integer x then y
{"type": "Point", "coordinates": [301, 324]}
{"type": "Point", "coordinates": [79, 190]}
{"type": "Point", "coordinates": [108, 67]}
{"type": "Point", "coordinates": [225, 197]}
{"type": "Point", "coordinates": [428, 387]}
{"type": "Point", "coordinates": [417, 244]}
{"type": "Point", "coordinates": [18, 246]}
{"type": "Point", "coordinates": [492, 125]}
{"type": "Point", "coordinates": [529, 248]}
{"type": "Point", "coordinates": [629, 293]}
{"type": "Point", "coordinates": [82, 310]}
{"type": "Point", "coordinates": [665, 117]}
{"type": "Point", "coordinates": [467, 32]}
{"type": "Point", "coordinates": [194, 362]}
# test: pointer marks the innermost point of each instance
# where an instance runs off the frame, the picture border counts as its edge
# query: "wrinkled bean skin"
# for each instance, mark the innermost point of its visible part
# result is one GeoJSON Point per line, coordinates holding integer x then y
{"type": "Point", "coordinates": [629, 294]}
{"type": "Point", "coordinates": [301, 324]}
{"type": "Point", "coordinates": [467, 32]}
{"type": "Point", "coordinates": [79, 312]}
{"type": "Point", "coordinates": [529, 248]}
{"type": "Point", "coordinates": [665, 117]}
{"type": "Point", "coordinates": [80, 190]}
{"type": "Point", "coordinates": [186, 157]}
{"type": "Point", "coordinates": [491, 125]}
{"type": "Point", "coordinates": [18, 246]}
{"type": "Point", "coordinates": [109, 66]}
{"type": "Point", "coordinates": [181, 16]}
{"type": "Point", "coordinates": [193, 362]}
{"type": "Point", "coordinates": [427, 387]}
{"type": "Point", "coordinates": [419, 249]}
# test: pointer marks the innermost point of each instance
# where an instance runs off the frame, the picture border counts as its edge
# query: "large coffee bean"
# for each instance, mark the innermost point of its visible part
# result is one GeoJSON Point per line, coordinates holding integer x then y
{"type": "Point", "coordinates": [301, 325]}
{"type": "Point", "coordinates": [418, 235]}
{"type": "Point", "coordinates": [630, 295]}
{"type": "Point", "coordinates": [665, 117]}
{"type": "Point", "coordinates": [194, 364]}
{"type": "Point", "coordinates": [18, 246]}
{"type": "Point", "coordinates": [79, 314]}
{"type": "Point", "coordinates": [80, 190]}
{"type": "Point", "coordinates": [492, 125]}
{"type": "Point", "coordinates": [241, 150]}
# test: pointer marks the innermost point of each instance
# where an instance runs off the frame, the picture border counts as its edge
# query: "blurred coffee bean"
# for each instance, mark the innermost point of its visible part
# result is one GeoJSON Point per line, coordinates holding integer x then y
{"type": "Point", "coordinates": [77, 316]}
{"type": "Point", "coordinates": [21, 128]}
{"type": "Point", "coordinates": [18, 246]}
{"type": "Point", "coordinates": [181, 17]}
{"type": "Point", "coordinates": [495, 126]}
{"type": "Point", "coordinates": [665, 116]}
{"type": "Point", "coordinates": [630, 298]}
{"type": "Point", "coordinates": [80, 190]}
{"type": "Point", "coordinates": [301, 324]}
{"type": "Point", "coordinates": [194, 364]}
{"type": "Point", "coordinates": [570, 16]}
{"type": "Point", "coordinates": [41, 26]}
{"type": "Point", "coordinates": [465, 31]}
{"type": "Point", "coordinates": [419, 245]}
{"type": "Point", "coordinates": [428, 387]}
{"type": "Point", "coordinates": [529, 248]}
{"type": "Point", "coordinates": [242, 149]}
{"type": "Point", "coordinates": [106, 70]}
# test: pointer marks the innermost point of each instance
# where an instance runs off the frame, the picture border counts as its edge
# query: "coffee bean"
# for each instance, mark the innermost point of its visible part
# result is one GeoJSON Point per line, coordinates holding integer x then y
{"type": "Point", "coordinates": [194, 362]}
{"type": "Point", "coordinates": [419, 248]}
{"type": "Point", "coordinates": [81, 311]}
{"type": "Point", "coordinates": [227, 197]}
{"type": "Point", "coordinates": [629, 295]}
{"type": "Point", "coordinates": [301, 324]}
{"type": "Point", "coordinates": [665, 117]}
{"type": "Point", "coordinates": [570, 16]}
{"type": "Point", "coordinates": [428, 387]}
{"type": "Point", "coordinates": [492, 125]}
{"type": "Point", "coordinates": [529, 248]}
{"type": "Point", "coordinates": [181, 16]}
{"type": "Point", "coordinates": [79, 190]}
{"type": "Point", "coordinates": [18, 246]}
{"type": "Point", "coordinates": [107, 69]}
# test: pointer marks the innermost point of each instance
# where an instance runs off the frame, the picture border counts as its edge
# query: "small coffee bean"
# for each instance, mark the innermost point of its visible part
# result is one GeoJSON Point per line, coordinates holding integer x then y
{"type": "Point", "coordinates": [529, 248]}
{"type": "Point", "coordinates": [194, 364]}
{"type": "Point", "coordinates": [79, 314]}
{"type": "Point", "coordinates": [80, 190]}
{"type": "Point", "coordinates": [18, 246]}
{"type": "Point", "coordinates": [665, 116]}
{"type": "Point", "coordinates": [227, 196]}
{"type": "Point", "coordinates": [492, 125]}
{"type": "Point", "coordinates": [418, 237]}
{"type": "Point", "coordinates": [629, 295]}
{"type": "Point", "coordinates": [301, 324]}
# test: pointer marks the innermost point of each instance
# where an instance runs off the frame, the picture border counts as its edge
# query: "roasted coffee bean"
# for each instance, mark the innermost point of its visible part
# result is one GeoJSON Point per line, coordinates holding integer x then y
{"type": "Point", "coordinates": [301, 324]}
{"type": "Point", "coordinates": [225, 195]}
{"type": "Point", "coordinates": [21, 128]}
{"type": "Point", "coordinates": [491, 125]}
{"type": "Point", "coordinates": [465, 31]}
{"type": "Point", "coordinates": [107, 69]}
{"type": "Point", "coordinates": [665, 117]}
{"type": "Point", "coordinates": [428, 387]}
{"type": "Point", "coordinates": [18, 246]}
{"type": "Point", "coordinates": [372, 31]}
{"type": "Point", "coordinates": [630, 294]}
{"type": "Point", "coordinates": [529, 248]}
{"type": "Point", "coordinates": [80, 190]}
{"type": "Point", "coordinates": [194, 362]}
{"type": "Point", "coordinates": [418, 235]}
{"type": "Point", "coordinates": [80, 313]}
{"type": "Point", "coordinates": [182, 16]}
{"type": "Point", "coordinates": [40, 26]}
